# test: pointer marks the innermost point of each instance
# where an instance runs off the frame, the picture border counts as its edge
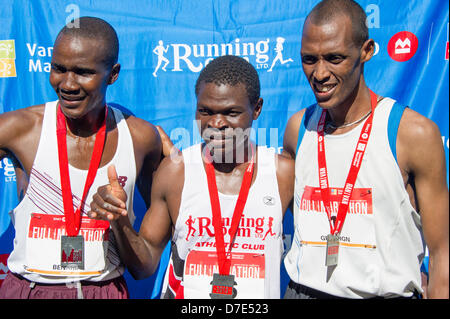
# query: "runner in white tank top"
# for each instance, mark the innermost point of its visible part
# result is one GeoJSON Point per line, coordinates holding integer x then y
{"type": "Point", "coordinates": [185, 204]}
{"type": "Point", "coordinates": [372, 242]}
{"type": "Point", "coordinates": [370, 177]}
{"type": "Point", "coordinates": [38, 218]}
{"type": "Point", "coordinates": [257, 248]}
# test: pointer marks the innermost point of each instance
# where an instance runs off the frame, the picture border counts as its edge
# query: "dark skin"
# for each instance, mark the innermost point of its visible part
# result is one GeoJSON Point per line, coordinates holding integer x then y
{"type": "Point", "coordinates": [334, 65]}
{"type": "Point", "coordinates": [218, 107]}
{"type": "Point", "coordinates": [80, 79]}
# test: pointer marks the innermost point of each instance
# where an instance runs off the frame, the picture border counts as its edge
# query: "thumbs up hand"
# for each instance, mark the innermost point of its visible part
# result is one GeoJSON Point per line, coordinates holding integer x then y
{"type": "Point", "coordinates": [109, 203]}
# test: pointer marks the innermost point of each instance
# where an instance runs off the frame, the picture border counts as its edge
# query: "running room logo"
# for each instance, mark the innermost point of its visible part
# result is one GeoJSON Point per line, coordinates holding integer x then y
{"type": "Point", "coordinates": [402, 46]}
{"type": "Point", "coordinates": [181, 56]}
{"type": "Point", "coordinates": [248, 227]}
{"type": "Point", "coordinates": [7, 59]}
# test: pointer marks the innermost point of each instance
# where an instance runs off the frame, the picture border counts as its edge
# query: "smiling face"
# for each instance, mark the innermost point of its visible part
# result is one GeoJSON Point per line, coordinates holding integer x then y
{"type": "Point", "coordinates": [332, 62]}
{"type": "Point", "coordinates": [79, 74]}
{"type": "Point", "coordinates": [225, 116]}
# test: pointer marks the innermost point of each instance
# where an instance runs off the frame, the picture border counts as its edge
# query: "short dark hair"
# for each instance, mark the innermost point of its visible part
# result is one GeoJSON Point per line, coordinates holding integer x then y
{"type": "Point", "coordinates": [231, 70]}
{"type": "Point", "coordinates": [97, 29]}
{"type": "Point", "coordinates": [328, 10]}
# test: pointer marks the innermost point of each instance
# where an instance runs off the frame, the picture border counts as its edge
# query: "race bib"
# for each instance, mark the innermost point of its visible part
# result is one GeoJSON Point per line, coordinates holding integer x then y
{"type": "Point", "coordinates": [248, 270]}
{"type": "Point", "coordinates": [44, 249]}
{"type": "Point", "coordinates": [358, 230]}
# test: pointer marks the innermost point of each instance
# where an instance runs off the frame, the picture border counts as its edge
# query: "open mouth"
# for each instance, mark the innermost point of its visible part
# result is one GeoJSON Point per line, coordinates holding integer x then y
{"type": "Point", "coordinates": [323, 89]}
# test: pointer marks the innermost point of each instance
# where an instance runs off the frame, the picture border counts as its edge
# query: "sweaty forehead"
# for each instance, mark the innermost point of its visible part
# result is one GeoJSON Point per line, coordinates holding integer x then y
{"type": "Point", "coordinates": [335, 34]}
{"type": "Point", "coordinates": [222, 90]}
{"type": "Point", "coordinates": [78, 43]}
{"type": "Point", "coordinates": [79, 47]}
{"type": "Point", "coordinates": [222, 94]}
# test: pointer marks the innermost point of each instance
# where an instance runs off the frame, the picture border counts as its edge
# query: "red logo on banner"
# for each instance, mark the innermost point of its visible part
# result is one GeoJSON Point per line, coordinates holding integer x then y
{"type": "Point", "coordinates": [446, 44]}
{"type": "Point", "coordinates": [446, 52]}
{"type": "Point", "coordinates": [3, 267]}
{"type": "Point", "coordinates": [402, 46]}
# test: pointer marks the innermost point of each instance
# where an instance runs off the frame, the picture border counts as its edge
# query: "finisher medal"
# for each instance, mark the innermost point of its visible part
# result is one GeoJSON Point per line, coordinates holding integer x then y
{"type": "Point", "coordinates": [222, 287]}
{"type": "Point", "coordinates": [72, 252]}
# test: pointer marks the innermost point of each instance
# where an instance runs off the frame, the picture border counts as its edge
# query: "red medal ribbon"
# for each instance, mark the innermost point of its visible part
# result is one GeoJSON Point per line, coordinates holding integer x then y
{"type": "Point", "coordinates": [353, 172]}
{"type": "Point", "coordinates": [73, 219]}
{"type": "Point", "coordinates": [224, 262]}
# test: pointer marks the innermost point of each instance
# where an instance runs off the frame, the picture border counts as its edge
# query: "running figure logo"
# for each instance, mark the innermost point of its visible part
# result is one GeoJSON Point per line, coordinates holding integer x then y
{"type": "Point", "coordinates": [189, 223]}
{"type": "Point", "coordinates": [269, 231]}
{"type": "Point", "coordinates": [279, 50]}
{"type": "Point", "coordinates": [195, 56]}
{"type": "Point", "coordinates": [159, 50]}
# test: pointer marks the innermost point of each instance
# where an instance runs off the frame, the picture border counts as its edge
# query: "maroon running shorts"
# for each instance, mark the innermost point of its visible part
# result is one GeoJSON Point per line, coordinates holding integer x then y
{"type": "Point", "coordinates": [17, 287]}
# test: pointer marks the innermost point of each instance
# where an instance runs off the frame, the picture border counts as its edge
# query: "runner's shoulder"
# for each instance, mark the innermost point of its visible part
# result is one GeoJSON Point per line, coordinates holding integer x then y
{"type": "Point", "coordinates": [171, 170]}
{"type": "Point", "coordinates": [22, 121]}
{"type": "Point", "coordinates": [143, 133]}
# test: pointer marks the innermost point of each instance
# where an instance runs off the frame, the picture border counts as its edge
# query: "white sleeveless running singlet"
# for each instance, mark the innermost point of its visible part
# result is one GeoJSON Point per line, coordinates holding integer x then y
{"type": "Point", "coordinates": [258, 246]}
{"type": "Point", "coordinates": [381, 245]}
{"type": "Point", "coordinates": [39, 217]}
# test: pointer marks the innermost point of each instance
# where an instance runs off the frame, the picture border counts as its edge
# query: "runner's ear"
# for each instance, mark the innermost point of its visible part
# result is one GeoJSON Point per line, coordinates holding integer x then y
{"type": "Point", "coordinates": [114, 73]}
{"type": "Point", "coordinates": [367, 50]}
{"type": "Point", "coordinates": [257, 109]}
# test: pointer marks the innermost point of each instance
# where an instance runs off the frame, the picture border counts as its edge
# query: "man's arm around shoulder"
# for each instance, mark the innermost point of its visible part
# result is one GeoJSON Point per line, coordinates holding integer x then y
{"type": "Point", "coordinates": [291, 134]}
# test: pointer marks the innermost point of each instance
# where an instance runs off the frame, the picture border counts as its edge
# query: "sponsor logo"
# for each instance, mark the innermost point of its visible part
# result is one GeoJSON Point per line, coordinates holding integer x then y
{"type": "Point", "coordinates": [446, 51]}
{"type": "Point", "coordinates": [52, 227]}
{"type": "Point", "coordinates": [243, 265]}
{"type": "Point", "coordinates": [402, 46]}
{"type": "Point", "coordinates": [446, 45]}
{"type": "Point", "coordinates": [122, 180]}
{"type": "Point", "coordinates": [8, 170]}
{"type": "Point", "coordinates": [360, 203]}
{"type": "Point", "coordinates": [7, 59]}
{"type": "Point", "coordinates": [269, 200]}
{"type": "Point", "coordinates": [178, 57]}
{"type": "Point", "coordinates": [248, 227]}
{"type": "Point", "coordinates": [38, 56]}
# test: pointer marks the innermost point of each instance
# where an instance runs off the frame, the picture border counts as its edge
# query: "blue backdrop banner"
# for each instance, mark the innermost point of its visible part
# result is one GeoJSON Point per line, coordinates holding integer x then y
{"type": "Point", "coordinates": [164, 45]}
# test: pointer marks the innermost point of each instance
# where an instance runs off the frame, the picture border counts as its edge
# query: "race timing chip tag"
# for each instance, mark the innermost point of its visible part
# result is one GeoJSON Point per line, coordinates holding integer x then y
{"type": "Point", "coordinates": [222, 287]}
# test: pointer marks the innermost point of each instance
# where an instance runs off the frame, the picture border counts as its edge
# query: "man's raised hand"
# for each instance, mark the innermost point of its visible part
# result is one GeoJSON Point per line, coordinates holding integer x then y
{"type": "Point", "coordinates": [109, 203]}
